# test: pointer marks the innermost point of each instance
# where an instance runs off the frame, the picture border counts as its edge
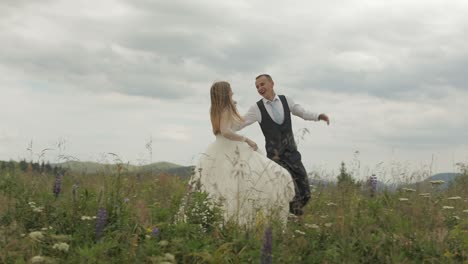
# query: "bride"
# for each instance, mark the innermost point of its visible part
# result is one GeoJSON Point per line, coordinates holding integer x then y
{"type": "Point", "coordinates": [246, 184]}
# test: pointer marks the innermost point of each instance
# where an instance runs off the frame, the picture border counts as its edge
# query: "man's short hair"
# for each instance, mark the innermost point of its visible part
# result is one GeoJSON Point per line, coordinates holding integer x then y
{"type": "Point", "coordinates": [266, 76]}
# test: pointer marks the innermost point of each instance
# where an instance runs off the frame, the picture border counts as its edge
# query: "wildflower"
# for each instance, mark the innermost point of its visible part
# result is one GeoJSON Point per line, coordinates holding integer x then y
{"type": "Point", "coordinates": [163, 243]}
{"type": "Point", "coordinates": [37, 259]}
{"type": "Point", "coordinates": [312, 226]}
{"type": "Point", "coordinates": [169, 256]}
{"type": "Point", "coordinates": [373, 184]}
{"type": "Point", "coordinates": [36, 235]}
{"type": "Point", "coordinates": [155, 232]}
{"type": "Point", "coordinates": [38, 209]}
{"type": "Point", "coordinates": [101, 222]}
{"type": "Point", "coordinates": [62, 246]}
{"type": "Point", "coordinates": [403, 199]}
{"type": "Point", "coordinates": [409, 190]}
{"type": "Point", "coordinates": [454, 198]}
{"type": "Point", "coordinates": [300, 232]}
{"type": "Point", "coordinates": [57, 185]}
{"type": "Point", "coordinates": [437, 182]}
{"type": "Point", "coordinates": [267, 247]}
{"type": "Point", "coordinates": [448, 207]}
{"type": "Point", "coordinates": [328, 224]}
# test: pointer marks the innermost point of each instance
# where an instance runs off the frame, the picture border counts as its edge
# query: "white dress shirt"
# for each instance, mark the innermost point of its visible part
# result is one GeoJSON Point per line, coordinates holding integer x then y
{"type": "Point", "coordinates": [254, 114]}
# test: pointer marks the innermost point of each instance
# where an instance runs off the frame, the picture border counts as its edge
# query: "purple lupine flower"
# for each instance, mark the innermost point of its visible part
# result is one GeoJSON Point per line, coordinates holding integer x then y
{"type": "Point", "coordinates": [101, 222]}
{"type": "Point", "coordinates": [373, 184]}
{"type": "Point", "coordinates": [155, 232]}
{"type": "Point", "coordinates": [267, 248]}
{"type": "Point", "coordinates": [57, 185]}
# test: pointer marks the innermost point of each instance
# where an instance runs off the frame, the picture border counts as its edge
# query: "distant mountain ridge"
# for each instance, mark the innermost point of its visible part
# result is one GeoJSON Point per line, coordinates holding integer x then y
{"type": "Point", "coordinates": [163, 167]}
{"type": "Point", "coordinates": [447, 177]}
{"type": "Point", "coordinates": [89, 167]}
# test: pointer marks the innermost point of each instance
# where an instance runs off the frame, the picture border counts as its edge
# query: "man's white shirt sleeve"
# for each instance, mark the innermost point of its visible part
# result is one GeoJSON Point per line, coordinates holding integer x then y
{"type": "Point", "coordinates": [299, 111]}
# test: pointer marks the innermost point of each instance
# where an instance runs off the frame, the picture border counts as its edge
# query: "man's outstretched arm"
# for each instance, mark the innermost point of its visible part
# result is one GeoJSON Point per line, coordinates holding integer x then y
{"type": "Point", "coordinates": [298, 110]}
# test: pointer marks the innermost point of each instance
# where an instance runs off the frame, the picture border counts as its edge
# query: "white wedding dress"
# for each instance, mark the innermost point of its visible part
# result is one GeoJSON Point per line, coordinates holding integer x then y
{"type": "Point", "coordinates": [246, 183]}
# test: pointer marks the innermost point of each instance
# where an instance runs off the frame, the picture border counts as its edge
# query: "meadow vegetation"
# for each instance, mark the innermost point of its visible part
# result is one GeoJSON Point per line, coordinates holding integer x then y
{"type": "Point", "coordinates": [122, 217]}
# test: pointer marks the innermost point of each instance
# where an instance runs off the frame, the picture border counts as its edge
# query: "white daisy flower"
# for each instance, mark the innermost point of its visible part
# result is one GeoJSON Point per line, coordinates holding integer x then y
{"type": "Point", "coordinates": [313, 226]}
{"type": "Point", "coordinates": [37, 259]}
{"type": "Point", "coordinates": [300, 232]}
{"type": "Point", "coordinates": [36, 235]}
{"type": "Point", "coordinates": [170, 257]}
{"type": "Point", "coordinates": [62, 246]}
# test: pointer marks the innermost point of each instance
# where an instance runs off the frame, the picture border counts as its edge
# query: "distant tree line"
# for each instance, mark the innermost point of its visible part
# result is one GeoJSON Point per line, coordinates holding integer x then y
{"type": "Point", "coordinates": [31, 167]}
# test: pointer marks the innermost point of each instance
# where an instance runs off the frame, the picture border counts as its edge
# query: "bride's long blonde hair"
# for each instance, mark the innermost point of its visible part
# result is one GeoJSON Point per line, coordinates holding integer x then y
{"type": "Point", "coordinates": [220, 102]}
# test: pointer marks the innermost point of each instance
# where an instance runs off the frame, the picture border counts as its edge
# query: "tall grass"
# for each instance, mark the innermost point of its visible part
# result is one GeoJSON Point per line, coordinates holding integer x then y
{"type": "Point", "coordinates": [342, 224]}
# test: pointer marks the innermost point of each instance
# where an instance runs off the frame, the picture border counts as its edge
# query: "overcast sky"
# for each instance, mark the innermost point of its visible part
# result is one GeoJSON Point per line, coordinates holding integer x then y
{"type": "Point", "coordinates": [107, 76]}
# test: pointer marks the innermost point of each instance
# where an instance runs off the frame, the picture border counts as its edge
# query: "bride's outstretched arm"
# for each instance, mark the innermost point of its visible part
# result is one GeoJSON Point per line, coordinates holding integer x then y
{"type": "Point", "coordinates": [227, 132]}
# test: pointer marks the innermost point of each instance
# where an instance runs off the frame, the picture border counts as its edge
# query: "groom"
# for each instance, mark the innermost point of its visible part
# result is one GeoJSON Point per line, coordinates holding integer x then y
{"type": "Point", "coordinates": [273, 113]}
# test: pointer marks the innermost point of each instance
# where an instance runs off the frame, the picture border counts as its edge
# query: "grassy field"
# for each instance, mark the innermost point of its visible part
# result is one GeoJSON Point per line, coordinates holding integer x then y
{"type": "Point", "coordinates": [124, 218]}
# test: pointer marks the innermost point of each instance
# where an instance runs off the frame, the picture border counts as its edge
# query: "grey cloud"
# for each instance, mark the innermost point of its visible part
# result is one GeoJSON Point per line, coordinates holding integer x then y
{"type": "Point", "coordinates": [169, 35]}
{"type": "Point", "coordinates": [173, 50]}
{"type": "Point", "coordinates": [9, 7]}
{"type": "Point", "coordinates": [423, 69]}
{"type": "Point", "coordinates": [418, 55]}
{"type": "Point", "coordinates": [427, 80]}
{"type": "Point", "coordinates": [214, 39]}
{"type": "Point", "coordinates": [101, 69]}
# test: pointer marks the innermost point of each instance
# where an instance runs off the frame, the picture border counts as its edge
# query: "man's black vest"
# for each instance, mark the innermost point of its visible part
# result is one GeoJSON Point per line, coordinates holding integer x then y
{"type": "Point", "coordinates": [279, 139]}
